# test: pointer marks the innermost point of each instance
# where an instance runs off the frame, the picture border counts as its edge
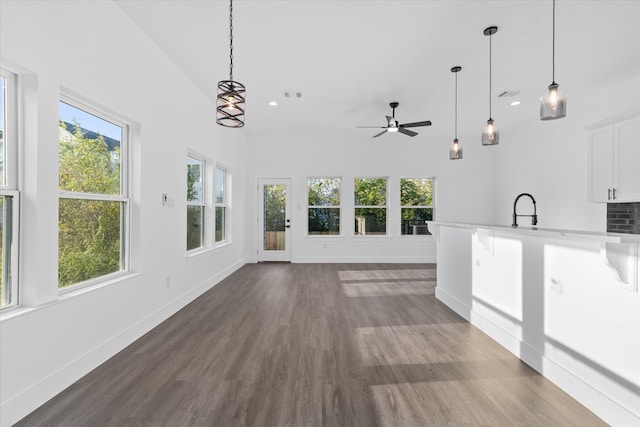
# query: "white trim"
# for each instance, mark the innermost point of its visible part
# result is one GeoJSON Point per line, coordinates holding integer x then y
{"type": "Point", "coordinates": [337, 259]}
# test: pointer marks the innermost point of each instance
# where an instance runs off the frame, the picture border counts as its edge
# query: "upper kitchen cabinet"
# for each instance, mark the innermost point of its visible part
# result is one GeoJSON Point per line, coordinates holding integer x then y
{"type": "Point", "coordinates": [614, 161]}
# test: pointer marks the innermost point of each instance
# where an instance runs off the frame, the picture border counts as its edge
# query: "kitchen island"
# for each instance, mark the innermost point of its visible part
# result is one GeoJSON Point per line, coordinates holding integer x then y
{"type": "Point", "coordinates": [566, 302]}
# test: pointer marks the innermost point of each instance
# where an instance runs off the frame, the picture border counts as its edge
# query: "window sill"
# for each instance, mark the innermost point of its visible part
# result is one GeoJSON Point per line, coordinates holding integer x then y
{"type": "Point", "coordinates": [198, 255]}
{"type": "Point", "coordinates": [372, 238]}
{"type": "Point", "coordinates": [66, 294]}
{"type": "Point", "coordinates": [324, 238]}
{"type": "Point", "coordinates": [90, 286]}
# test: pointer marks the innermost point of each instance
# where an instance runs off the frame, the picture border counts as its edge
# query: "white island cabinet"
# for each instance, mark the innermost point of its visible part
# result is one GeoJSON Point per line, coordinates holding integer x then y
{"type": "Point", "coordinates": [565, 302]}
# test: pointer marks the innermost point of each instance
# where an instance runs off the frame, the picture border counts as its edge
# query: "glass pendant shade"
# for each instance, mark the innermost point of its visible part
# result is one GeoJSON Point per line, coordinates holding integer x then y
{"type": "Point", "coordinates": [490, 134]}
{"type": "Point", "coordinates": [553, 104]}
{"type": "Point", "coordinates": [230, 104]}
{"type": "Point", "coordinates": [455, 153]}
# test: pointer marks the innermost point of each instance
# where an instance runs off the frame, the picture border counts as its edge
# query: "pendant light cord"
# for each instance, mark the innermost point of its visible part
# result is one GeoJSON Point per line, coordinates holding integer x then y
{"type": "Point", "coordinates": [231, 40]}
{"type": "Point", "coordinates": [553, 46]}
{"type": "Point", "coordinates": [490, 37]}
{"type": "Point", "coordinates": [456, 108]}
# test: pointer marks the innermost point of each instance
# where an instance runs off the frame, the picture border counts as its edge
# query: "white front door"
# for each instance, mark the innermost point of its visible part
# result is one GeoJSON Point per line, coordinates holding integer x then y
{"type": "Point", "coordinates": [274, 219]}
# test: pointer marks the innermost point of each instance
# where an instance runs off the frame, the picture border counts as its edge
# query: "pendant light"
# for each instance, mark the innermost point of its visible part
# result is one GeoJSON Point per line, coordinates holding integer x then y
{"type": "Point", "coordinates": [490, 134]}
{"type": "Point", "coordinates": [455, 153]}
{"type": "Point", "coordinates": [230, 99]}
{"type": "Point", "coordinates": [553, 104]}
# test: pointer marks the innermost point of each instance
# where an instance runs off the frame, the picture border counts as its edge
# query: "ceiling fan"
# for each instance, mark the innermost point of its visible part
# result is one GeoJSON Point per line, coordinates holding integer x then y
{"type": "Point", "coordinates": [394, 126]}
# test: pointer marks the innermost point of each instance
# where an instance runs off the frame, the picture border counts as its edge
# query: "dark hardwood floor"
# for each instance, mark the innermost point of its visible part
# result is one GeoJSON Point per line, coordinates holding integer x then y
{"type": "Point", "coordinates": [315, 345]}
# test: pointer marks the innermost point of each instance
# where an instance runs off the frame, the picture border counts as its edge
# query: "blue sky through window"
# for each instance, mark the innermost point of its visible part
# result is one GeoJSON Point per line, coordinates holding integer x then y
{"type": "Point", "coordinates": [71, 114]}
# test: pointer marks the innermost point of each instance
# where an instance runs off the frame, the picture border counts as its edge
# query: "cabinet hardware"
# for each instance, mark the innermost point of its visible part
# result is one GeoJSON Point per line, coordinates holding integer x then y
{"type": "Point", "coordinates": [608, 194]}
{"type": "Point", "coordinates": [614, 194]}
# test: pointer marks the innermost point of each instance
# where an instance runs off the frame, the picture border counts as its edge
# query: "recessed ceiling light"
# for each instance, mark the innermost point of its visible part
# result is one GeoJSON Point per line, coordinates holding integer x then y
{"type": "Point", "coordinates": [514, 103]}
{"type": "Point", "coordinates": [273, 103]}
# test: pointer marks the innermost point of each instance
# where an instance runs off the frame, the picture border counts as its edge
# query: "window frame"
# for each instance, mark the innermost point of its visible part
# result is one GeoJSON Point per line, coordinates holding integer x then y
{"type": "Point", "coordinates": [385, 206]}
{"type": "Point", "coordinates": [124, 198]}
{"type": "Point", "coordinates": [10, 188]}
{"type": "Point", "coordinates": [338, 207]}
{"type": "Point", "coordinates": [225, 205]}
{"type": "Point", "coordinates": [432, 206]}
{"type": "Point", "coordinates": [204, 190]}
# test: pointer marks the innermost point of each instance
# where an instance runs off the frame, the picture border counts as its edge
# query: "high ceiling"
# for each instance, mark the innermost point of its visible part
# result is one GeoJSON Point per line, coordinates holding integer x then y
{"type": "Point", "coordinates": [349, 59]}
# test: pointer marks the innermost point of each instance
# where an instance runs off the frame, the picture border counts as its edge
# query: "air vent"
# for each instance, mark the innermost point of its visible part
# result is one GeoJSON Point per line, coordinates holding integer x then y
{"type": "Point", "coordinates": [508, 94]}
{"type": "Point", "coordinates": [292, 94]}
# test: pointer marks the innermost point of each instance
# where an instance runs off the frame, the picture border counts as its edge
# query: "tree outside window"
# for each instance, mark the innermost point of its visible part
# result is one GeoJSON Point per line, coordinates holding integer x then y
{"type": "Point", "coordinates": [196, 206]}
{"type": "Point", "coordinates": [416, 200]}
{"type": "Point", "coordinates": [323, 197]}
{"type": "Point", "coordinates": [93, 203]}
{"type": "Point", "coordinates": [370, 201]}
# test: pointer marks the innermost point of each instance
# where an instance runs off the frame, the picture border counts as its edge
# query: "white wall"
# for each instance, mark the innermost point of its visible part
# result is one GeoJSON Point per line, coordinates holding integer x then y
{"type": "Point", "coordinates": [53, 340]}
{"type": "Point", "coordinates": [549, 159]}
{"type": "Point", "coordinates": [464, 189]}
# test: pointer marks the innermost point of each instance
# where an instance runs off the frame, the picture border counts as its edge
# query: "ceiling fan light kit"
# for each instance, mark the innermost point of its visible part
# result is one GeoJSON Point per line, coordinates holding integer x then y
{"type": "Point", "coordinates": [553, 104]}
{"type": "Point", "coordinates": [231, 94]}
{"type": "Point", "coordinates": [490, 134]}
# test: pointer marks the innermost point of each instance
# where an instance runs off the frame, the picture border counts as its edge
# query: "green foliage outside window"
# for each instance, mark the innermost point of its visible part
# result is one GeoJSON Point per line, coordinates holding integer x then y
{"type": "Point", "coordinates": [324, 206]}
{"type": "Point", "coordinates": [89, 234]}
{"type": "Point", "coordinates": [369, 193]}
{"type": "Point", "coordinates": [416, 199]}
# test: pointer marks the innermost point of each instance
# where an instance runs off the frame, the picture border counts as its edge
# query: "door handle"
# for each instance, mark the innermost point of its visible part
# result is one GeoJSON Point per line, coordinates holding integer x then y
{"type": "Point", "coordinates": [608, 194]}
{"type": "Point", "coordinates": [614, 194]}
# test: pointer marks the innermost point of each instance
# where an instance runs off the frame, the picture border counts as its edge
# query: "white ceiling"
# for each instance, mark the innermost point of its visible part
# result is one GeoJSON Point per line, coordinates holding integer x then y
{"type": "Point", "coordinates": [349, 59]}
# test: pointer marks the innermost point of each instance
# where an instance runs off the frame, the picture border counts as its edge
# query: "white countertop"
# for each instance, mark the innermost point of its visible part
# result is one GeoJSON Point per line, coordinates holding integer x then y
{"type": "Point", "coordinates": [542, 231]}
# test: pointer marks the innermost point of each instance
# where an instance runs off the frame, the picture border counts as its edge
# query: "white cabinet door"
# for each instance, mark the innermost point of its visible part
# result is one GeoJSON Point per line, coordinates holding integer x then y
{"type": "Point", "coordinates": [614, 162]}
{"type": "Point", "coordinates": [627, 157]}
{"type": "Point", "coordinates": [601, 164]}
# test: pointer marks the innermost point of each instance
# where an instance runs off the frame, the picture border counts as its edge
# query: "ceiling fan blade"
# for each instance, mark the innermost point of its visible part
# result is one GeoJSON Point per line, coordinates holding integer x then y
{"type": "Point", "coordinates": [407, 132]}
{"type": "Point", "coordinates": [378, 134]}
{"type": "Point", "coordinates": [416, 124]}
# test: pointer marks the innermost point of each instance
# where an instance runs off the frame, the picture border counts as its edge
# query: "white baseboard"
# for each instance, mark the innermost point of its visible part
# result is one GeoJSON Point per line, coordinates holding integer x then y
{"type": "Point", "coordinates": [605, 407]}
{"type": "Point", "coordinates": [363, 259]}
{"type": "Point", "coordinates": [454, 303]}
{"type": "Point", "coordinates": [21, 405]}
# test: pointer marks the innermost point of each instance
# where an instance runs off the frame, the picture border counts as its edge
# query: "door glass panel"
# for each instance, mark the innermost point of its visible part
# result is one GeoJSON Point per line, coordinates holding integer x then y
{"type": "Point", "coordinates": [275, 196]}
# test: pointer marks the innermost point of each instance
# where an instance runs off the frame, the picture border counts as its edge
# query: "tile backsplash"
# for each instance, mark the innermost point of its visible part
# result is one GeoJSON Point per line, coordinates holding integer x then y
{"type": "Point", "coordinates": [623, 218]}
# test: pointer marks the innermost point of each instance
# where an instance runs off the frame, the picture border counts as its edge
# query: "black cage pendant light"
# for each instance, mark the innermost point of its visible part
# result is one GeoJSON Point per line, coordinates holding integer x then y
{"type": "Point", "coordinates": [455, 153]}
{"type": "Point", "coordinates": [230, 99]}
{"type": "Point", "coordinates": [553, 104]}
{"type": "Point", "coordinates": [490, 135]}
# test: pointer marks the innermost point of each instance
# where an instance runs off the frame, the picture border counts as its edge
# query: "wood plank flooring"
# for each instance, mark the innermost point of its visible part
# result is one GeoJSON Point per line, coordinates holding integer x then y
{"type": "Point", "coordinates": [315, 345]}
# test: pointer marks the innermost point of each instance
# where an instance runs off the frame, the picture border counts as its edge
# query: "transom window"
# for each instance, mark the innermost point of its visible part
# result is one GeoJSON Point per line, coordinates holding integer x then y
{"type": "Point", "coordinates": [323, 198]}
{"type": "Point", "coordinates": [93, 194]}
{"type": "Point", "coordinates": [370, 203]}
{"type": "Point", "coordinates": [416, 200]}
{"type": "Point", "coordinates": [9, 196]}
{"type": "Point", "coordinates": [196, 203]}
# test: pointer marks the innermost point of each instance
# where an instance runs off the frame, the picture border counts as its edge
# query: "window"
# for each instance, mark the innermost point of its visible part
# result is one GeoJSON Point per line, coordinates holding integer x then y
{"type": "Point", "coordinates": [221, 204]}
{"type": "Point", "coordinates": [323, 197]}
{"type": "Point", "coordinates": [370, 201]}
{"type": "Point", "coordinates": [416, 200]}
{"type": "Point", "coordinates": [9, 196]}
{"type": "Point", "coordinates": [93, 194]}
{"type": "Point", "coordinates": [196, 204]}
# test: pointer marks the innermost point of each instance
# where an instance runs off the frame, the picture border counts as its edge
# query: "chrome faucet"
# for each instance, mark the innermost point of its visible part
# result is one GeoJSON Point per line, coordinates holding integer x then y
{"type": "Point", "coordinates": [534, 217]}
